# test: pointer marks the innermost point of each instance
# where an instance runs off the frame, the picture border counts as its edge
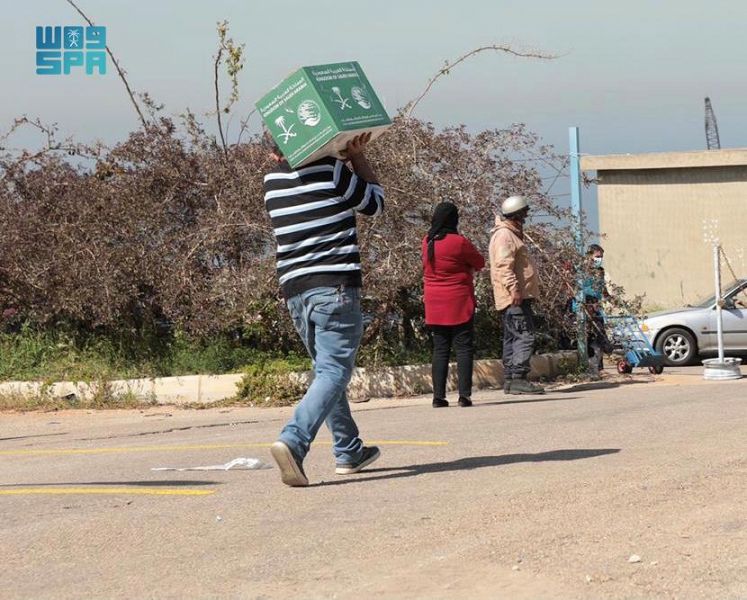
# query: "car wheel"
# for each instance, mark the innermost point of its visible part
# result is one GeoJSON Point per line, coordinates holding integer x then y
{"type": "Point", "coordinates": [678, 347]}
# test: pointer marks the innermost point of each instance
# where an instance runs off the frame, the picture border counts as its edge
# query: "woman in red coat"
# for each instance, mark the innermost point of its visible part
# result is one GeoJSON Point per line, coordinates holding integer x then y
{"type": "Point", "coordinates": [449, 262]}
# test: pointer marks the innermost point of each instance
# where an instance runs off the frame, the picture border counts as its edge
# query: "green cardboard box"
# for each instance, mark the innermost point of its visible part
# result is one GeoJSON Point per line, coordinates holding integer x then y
{"type": "Point", "coordinates": [314, 112]}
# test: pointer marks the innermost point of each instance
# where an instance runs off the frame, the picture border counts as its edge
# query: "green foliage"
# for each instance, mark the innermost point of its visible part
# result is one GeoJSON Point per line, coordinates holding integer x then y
{"type": "Point", "coordinates": [268, 382]}
{"type": "Point", "coordinates": [64, 354]}
{"type": "Point", "coordinates": [571, 371]}
{"type": "Point", "coordinates": [383, 353]}
{"type": "Point", "coordinates": [234, 60]}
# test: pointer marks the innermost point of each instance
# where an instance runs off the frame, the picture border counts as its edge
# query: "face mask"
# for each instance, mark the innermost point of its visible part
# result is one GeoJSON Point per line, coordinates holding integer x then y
{"type": "Point", "coordinates": [598, 260]}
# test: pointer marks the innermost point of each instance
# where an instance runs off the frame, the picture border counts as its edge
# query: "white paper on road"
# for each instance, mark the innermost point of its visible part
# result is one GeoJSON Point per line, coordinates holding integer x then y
{"type": "Point", "coordinates": [237, 464]}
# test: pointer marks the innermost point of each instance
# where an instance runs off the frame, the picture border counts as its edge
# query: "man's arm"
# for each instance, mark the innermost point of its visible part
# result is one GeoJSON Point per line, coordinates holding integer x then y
{"type": "Point", "coordinates": [359, 187]}
{"type": "Point", "coordinates": [502, 259]}
{"type": "Point", "coordinates": [355, 154]}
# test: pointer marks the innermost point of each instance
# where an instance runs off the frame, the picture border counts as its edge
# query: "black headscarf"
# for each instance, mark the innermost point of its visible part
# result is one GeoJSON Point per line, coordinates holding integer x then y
{"type": "Point", "coordinates": [445, 219]}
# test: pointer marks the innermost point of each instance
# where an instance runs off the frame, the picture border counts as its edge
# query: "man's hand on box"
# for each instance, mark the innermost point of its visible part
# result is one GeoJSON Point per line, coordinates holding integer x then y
{"type": "Point", "coordinates": [357, 145]}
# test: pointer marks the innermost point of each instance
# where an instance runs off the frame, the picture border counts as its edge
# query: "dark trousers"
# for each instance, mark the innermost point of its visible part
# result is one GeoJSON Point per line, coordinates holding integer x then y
{"type": "Point", "coordinates": [597, 342]}
{"type": "Point", "coordinates": [461, 337]}
{"type": "Point", "coordinates": [518, 340]}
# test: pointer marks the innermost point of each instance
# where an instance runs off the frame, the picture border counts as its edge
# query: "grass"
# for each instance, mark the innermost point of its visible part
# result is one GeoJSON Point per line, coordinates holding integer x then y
{"type": "Point", "coordinates": [97, 360]}
{"type": "Point", "coordinates": [571, 371]}
{"type": "Point", "coordinates": [375, 355]}
{"type": "Point", "coordinates": [100, 396]}
{"type": "Point", "coordinates": [59, 356]}
{"type": "Point", "coordinates": [266, 382]}
{"type": "Point", "coordinates": [270, 383]}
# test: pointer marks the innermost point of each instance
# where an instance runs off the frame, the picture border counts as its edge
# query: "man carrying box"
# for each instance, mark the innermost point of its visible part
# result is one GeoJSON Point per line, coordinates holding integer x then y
{"type": "Point", "coordinates": [312, 210]}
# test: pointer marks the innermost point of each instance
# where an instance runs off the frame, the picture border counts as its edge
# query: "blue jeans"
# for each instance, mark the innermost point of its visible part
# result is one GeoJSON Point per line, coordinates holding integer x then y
{"type": "Point", "coordinates": [329, 321]}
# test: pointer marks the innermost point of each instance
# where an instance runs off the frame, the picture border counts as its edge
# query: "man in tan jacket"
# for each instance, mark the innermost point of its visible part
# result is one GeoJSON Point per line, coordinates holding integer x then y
{"type": "Point", "coordinates": [515, 287]}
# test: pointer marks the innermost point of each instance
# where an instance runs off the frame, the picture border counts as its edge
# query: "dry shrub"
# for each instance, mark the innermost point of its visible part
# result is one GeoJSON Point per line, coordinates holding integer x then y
{"type": "Point", "coordinates": [167, 232]}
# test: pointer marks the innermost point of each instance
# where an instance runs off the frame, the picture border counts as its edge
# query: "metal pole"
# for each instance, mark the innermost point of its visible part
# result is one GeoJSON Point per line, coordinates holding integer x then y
{"type": "Point", "coordinates": [577, 224]}
{"type": "Point", "coordinates": [719, 314]}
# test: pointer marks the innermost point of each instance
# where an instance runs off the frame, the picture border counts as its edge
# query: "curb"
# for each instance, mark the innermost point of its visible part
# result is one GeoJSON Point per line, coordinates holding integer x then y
{"type": "Point", "coordinates": [386, 382]}
{"type": "Point", "coordinates": [415, 380]}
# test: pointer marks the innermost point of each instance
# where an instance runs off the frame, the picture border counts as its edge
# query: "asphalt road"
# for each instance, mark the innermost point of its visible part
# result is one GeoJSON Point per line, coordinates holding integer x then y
{"type": "Point", "coordinates": [536, 497]}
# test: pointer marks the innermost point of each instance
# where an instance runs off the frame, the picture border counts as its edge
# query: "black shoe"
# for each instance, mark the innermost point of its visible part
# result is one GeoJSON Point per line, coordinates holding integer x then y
{"type": "Point", "coordinates": [464, 402]}
{"type": "Point", "coordinates": [370, 454]}
{"type": "Point", "coordinates": [507, 386]}
{"type": "Point", "coordinates": [523, 386]}
{"type": "Point", "coordinates": [440, 403]}
{"type": "Point", "coordinates": [291, 468]}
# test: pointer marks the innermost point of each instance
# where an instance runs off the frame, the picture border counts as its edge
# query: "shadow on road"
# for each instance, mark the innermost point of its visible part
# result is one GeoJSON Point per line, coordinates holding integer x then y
{"type": "Point", "coordinates": [595, 385]}
{"type": "Point", "coordinates": [26, 437]}
{"type": "Point", "coordinates": [475, 462]}
{"type": "Point", "coordinates": [161, 483]}
{"type": "Point", "coordinates": [526, 400]}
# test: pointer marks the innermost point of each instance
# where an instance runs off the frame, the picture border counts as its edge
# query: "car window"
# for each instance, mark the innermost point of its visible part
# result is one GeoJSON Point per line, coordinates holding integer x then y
{"type": "Point", "coordinates": [711, 300]}
{"type": "Point", "coordinates": [740, 298]}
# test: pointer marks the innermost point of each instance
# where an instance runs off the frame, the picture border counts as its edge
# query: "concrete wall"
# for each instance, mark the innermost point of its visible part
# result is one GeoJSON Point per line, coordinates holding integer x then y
{"type": "Point", "coordinates": [653, 220]}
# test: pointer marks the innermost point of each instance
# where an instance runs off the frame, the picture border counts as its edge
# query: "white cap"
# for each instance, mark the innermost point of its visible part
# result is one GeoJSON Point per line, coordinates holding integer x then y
{"type": "Point", "coordinates": [513, 205]}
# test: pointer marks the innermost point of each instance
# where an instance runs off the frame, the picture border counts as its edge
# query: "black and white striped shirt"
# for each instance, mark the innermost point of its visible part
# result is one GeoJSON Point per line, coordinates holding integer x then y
{"type": "Point", "coordinates": [313, 215]}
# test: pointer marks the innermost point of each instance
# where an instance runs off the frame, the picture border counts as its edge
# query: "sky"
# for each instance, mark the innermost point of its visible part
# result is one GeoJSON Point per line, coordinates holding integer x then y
{"type": "Point", "coordinates": [632, 76]}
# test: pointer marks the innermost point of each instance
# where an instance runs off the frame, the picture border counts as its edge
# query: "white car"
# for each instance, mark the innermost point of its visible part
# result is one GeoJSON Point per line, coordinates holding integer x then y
{"type": "Point", "coordinates": [682, 335]}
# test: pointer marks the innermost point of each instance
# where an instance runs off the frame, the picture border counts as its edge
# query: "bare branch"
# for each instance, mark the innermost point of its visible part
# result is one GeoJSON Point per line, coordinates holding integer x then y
{"type": "Point", "coordinates": [410, 107]}
{"type": "Point", "coordinates": [558, 175]}
{"type": "Point", "coordinates": [244, 125]}
{"type": "Point", "coordinates": [217, 99]}
{"type": "Point", "coordinates": [116, 66]}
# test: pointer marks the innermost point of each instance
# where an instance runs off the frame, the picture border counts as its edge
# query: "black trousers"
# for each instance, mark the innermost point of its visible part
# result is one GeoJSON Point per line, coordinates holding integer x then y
{"type": "Point", "coordinates": [461, 337]}
{"type": "Point", "coordinates": [597, 342]}
{"type": "Point", "coordinates": [518, 340]}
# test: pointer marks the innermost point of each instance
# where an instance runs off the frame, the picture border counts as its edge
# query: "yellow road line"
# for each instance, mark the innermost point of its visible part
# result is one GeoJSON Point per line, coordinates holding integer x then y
{"type": "Point", "coordinates": [127, 449]}
{"type": "Point", "coordinates": [399, 443]}
{"type": "Point", "coordinates": [142, 491]}
{"type": "Point", "coordinates": [119, 449]}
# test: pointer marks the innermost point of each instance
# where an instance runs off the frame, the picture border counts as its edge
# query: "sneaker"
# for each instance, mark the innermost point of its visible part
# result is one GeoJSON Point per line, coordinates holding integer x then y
{"type": "Point", "coordinates": [440, 403]}
{"type": "Point", "coordinates": [523, 386]}
{"type": "Point", "coordinates": [370, 454]}
{"type": "Point", "coordinates": [507, 386]}
{"type": "Point", "coordinates": [464, 402]}
{"type": "Point", "coordinates": [291, 469]}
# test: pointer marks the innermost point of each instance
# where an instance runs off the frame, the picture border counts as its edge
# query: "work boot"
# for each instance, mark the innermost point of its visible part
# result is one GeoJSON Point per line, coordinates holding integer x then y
{"type": "Point", "coordinates": [524, 386]}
